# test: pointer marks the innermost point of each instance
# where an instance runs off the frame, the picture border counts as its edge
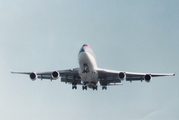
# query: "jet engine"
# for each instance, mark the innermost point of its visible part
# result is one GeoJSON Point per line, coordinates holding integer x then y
{"type": "Point", "coordinates": [55, 75]}
{"type": "Point", "coordinates": [33, 76]}
{"type": "Point", "coordinates": [122, 75]}
{"type": "Point", "coordinates": [148, 77]}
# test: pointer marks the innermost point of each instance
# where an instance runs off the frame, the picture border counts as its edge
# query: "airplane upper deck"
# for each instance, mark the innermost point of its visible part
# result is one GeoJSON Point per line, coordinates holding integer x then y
{"type": "Point", "coordinates": [86, 48]}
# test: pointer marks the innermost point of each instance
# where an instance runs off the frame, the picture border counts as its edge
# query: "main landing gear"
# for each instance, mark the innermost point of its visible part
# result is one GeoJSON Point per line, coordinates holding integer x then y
{"type": "Point", "coordinates": [104, 88]}
{"type": "Point", "coordinates": [95, 87]}
{"type": "Point", "coordinates": [84, 87]}
{"type": "Point", "coordinates": [74, 86]}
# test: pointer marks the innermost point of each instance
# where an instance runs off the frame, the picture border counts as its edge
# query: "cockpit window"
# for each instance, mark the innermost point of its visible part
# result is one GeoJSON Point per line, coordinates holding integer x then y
{"type": "Point", "coordinates": [85, 45]}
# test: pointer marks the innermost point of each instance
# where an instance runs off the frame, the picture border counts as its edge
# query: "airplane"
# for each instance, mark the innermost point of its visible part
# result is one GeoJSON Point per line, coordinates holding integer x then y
{"type": "Point", "coordinates": [89, 75]}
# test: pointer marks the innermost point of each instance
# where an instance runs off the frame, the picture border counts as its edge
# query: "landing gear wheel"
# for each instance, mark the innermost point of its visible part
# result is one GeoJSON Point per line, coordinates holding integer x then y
{"type": "Point", "coordinates": [104, 88]}
{"type": "Point", "coordinates": [74, 87]}
{"type": "Point", "coordinates": [95, 88]}
{"type": "Point", "coordinates": [84, 87]}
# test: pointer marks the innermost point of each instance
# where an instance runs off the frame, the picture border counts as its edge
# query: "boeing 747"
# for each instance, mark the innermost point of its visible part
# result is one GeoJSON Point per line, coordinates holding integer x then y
{"type": "Point", "coordinates": [89, 75]}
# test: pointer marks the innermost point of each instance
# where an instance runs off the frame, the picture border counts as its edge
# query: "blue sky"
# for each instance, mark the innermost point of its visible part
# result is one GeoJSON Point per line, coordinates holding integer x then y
{"type": "Point", "coordinates": [139, 36]}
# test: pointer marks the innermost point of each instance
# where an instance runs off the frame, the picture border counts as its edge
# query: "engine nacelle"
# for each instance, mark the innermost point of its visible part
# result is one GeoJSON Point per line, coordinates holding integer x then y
{"type": "Point", "coordinates": [55, 75]}
{"type": "Point", "coordinates": [148, 77]}
{"type": "Point", "coordinates": [122, 75]}
{"type": "Point", "coordinates": [33, 76]}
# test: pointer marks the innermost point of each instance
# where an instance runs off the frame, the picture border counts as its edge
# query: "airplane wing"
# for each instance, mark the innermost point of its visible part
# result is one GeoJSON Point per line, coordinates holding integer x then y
{"type": "Point", "coordinates": [68, 76]}
{"type": "Point", "coordinates": [108, 77]}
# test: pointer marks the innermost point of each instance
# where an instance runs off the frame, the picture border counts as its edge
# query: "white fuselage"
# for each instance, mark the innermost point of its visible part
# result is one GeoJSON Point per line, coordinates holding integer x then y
{"type": "Point", "coordinates": [89, 77]}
